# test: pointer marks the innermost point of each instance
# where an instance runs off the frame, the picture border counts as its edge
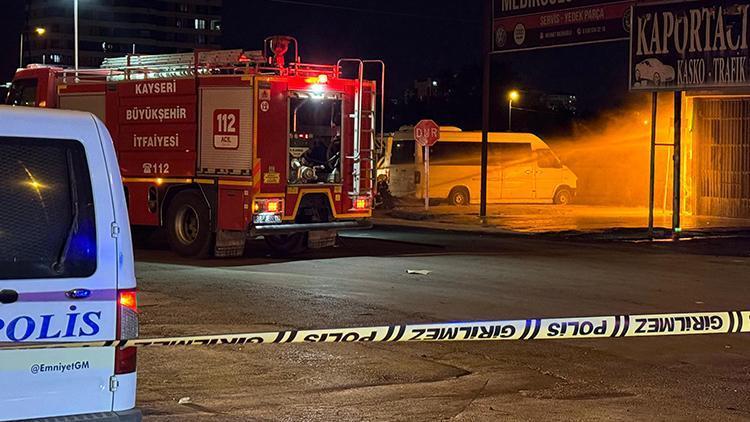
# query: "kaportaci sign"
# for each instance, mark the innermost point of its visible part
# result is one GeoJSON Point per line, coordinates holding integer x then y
{"type": "Point", "coordinates": [690, 45]}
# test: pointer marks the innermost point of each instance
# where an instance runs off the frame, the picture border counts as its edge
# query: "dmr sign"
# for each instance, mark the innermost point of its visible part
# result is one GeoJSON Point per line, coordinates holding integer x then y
{"type": "Point", "coordinates": [690, 45]}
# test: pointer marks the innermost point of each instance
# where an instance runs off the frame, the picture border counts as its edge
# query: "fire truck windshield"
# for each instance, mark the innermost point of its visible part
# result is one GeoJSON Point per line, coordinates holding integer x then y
{"type": "Point", "coordinates": [23, 93]}
{"type": "Point", "coordinates": [314, 140]}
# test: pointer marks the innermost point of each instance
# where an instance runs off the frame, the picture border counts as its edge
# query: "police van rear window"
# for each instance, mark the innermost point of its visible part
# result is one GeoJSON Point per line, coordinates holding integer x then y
{"type": "Point", "coordinates": [47, 224]}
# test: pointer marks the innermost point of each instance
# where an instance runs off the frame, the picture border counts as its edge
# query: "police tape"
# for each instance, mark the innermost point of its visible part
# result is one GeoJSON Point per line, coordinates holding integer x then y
{"type": "Point", "coordinates": [617, 326]}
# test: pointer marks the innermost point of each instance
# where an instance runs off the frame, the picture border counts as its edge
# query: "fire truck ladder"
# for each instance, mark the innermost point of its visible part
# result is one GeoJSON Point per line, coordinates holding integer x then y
{"type": "Point", "coordinates": [181, 64]}
{"type": "Point", "coordinates": [358, 154]}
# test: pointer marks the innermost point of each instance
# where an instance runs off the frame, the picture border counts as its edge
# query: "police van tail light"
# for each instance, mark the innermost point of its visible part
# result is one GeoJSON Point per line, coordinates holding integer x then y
{"type": "Point", "coordinates": [127, 314]}
{"type": "Point", "coordinates": [125, 360]}
{"type": "Point", "coordinates": [127, 328]}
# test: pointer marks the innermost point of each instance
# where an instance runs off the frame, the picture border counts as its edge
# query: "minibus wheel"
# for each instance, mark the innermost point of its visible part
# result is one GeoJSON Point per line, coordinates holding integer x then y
{"type": "Point", "coordinates": [563, 197]}
{"type": "Point", "coordinates": [459, 196]}
{"type": "Point", "coordinates": [189, 225]}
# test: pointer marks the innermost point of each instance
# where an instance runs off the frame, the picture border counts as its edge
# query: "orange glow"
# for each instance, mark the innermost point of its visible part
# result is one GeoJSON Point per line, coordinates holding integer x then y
{"type": "Point", "coordinates": [323, 79]}
{"type": "Point", "coordinates": [273, 206]}
{"type": "Point", "coordinates": [610, 156]}
{"type": "Point", "coordinates": [360, 203]}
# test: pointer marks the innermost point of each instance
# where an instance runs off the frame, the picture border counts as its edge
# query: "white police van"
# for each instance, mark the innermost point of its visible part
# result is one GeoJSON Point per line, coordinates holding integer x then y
{"type": "Point", "coordinates": [66, 270]}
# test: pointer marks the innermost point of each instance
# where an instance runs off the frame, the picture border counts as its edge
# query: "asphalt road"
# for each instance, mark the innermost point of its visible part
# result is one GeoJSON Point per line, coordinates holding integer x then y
{"type": "Point", "coordinates": [473, 277]}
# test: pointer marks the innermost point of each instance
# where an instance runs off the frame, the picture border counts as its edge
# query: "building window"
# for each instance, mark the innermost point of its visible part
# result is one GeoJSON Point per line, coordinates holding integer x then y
{"type": "Point", "coordinates": [215, 25]}
{"type": "Point", "coordinates": [200, 39]}
{"type": "Point", "coordinates": [200, 24]}
{"type": "Point", "coordinates": [55, 58]}
{"type": "Point", "coordinates": [184, 8]}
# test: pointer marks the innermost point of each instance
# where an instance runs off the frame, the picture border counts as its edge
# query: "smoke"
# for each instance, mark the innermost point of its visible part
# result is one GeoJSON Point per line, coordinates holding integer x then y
{"type": "Point", "coordinates": [610, 155]}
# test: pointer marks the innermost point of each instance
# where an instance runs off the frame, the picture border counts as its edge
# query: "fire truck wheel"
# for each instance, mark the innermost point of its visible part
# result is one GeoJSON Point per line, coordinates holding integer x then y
{"type": "Point", "coordinates": [287, 244]}
{"type": "Point", "coordinates": [188, 225]}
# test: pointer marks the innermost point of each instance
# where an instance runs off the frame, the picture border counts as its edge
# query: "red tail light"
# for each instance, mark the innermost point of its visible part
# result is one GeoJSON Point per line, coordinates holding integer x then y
{"type": "Point", "coordinates": [361, 203]}
{"type": "Point", "coordinates": [125, 360]}
{"type": "Point", "coordinates": [127, 328]}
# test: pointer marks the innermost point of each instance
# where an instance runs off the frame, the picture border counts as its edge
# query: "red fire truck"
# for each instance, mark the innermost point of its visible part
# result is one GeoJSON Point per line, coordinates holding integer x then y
{"type": "Point", "coordinates": [219, 146]}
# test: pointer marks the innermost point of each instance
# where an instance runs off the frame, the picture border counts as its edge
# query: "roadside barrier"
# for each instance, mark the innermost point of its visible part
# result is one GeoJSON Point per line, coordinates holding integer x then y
{"type": "Point", "coordinates": [616, 326]}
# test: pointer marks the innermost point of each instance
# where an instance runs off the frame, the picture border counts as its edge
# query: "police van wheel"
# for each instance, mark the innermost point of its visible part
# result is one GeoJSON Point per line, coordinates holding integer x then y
{"type": "Point", "coordinates": [287, 244]}
{"type": "Point", "coordinates": [459, 197]}
{"type": "Point", "coordinates": [188, 225]}
{"type": "Point", "coordinates": [563, 197]}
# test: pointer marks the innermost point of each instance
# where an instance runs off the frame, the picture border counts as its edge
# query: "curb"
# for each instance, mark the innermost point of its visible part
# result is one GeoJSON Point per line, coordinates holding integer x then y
{"type": "Point", "coordinates": [615, 234]}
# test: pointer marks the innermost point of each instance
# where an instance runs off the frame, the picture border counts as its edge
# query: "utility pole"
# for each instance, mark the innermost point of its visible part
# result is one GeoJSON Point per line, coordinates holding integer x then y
{"type": "Point", "coordinates": [676, 188]}
{"type": "Point", "coordinates": [486, 48]}
{"type": "Point", "coordinates": [20, 55]}
{"type": "Point", "coordinates": [75, 34]}
{"type": "Point", "coordinates": [652, 173]}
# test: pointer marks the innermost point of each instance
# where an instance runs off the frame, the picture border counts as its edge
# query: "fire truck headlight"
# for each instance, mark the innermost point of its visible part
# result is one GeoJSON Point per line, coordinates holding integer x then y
{"type": "Point", "coordinates": [317, 89]}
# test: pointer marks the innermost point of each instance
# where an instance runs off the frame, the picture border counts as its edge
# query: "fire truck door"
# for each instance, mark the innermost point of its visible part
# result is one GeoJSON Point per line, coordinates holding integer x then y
{"type": "Point", "coordinates": [226, 131]}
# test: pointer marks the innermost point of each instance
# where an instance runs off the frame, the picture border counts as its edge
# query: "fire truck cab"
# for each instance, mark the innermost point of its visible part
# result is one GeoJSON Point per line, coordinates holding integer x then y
{"type": "Point", "coordinates": [221, 146]}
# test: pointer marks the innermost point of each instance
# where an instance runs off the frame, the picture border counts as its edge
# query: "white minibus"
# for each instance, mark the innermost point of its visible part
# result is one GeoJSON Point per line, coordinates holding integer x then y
{"type": "Point", "coordinates": [521, 168]}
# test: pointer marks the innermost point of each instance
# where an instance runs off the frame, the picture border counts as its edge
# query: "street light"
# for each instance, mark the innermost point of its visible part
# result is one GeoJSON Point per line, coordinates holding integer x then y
{"type": "Point", "coordinates": [512, 96]}
{"type": "Point", "coordinates": [40, 31]}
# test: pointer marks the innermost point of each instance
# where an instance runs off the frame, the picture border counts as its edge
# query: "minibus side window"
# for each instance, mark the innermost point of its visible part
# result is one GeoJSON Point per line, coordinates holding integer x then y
{"type": "Point", "coordinates": [47, 224]}
{"type": "Point", "coordinates": [456, 153]}
{"type": "Point", "coordinates": [547, 160]}
{"type": "Point", "coordinates": [512, 153]}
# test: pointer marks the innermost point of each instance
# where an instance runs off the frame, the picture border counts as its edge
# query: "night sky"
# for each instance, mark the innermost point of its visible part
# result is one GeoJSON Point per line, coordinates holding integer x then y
{"type": "Point", "coordinates": [416, 38]}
